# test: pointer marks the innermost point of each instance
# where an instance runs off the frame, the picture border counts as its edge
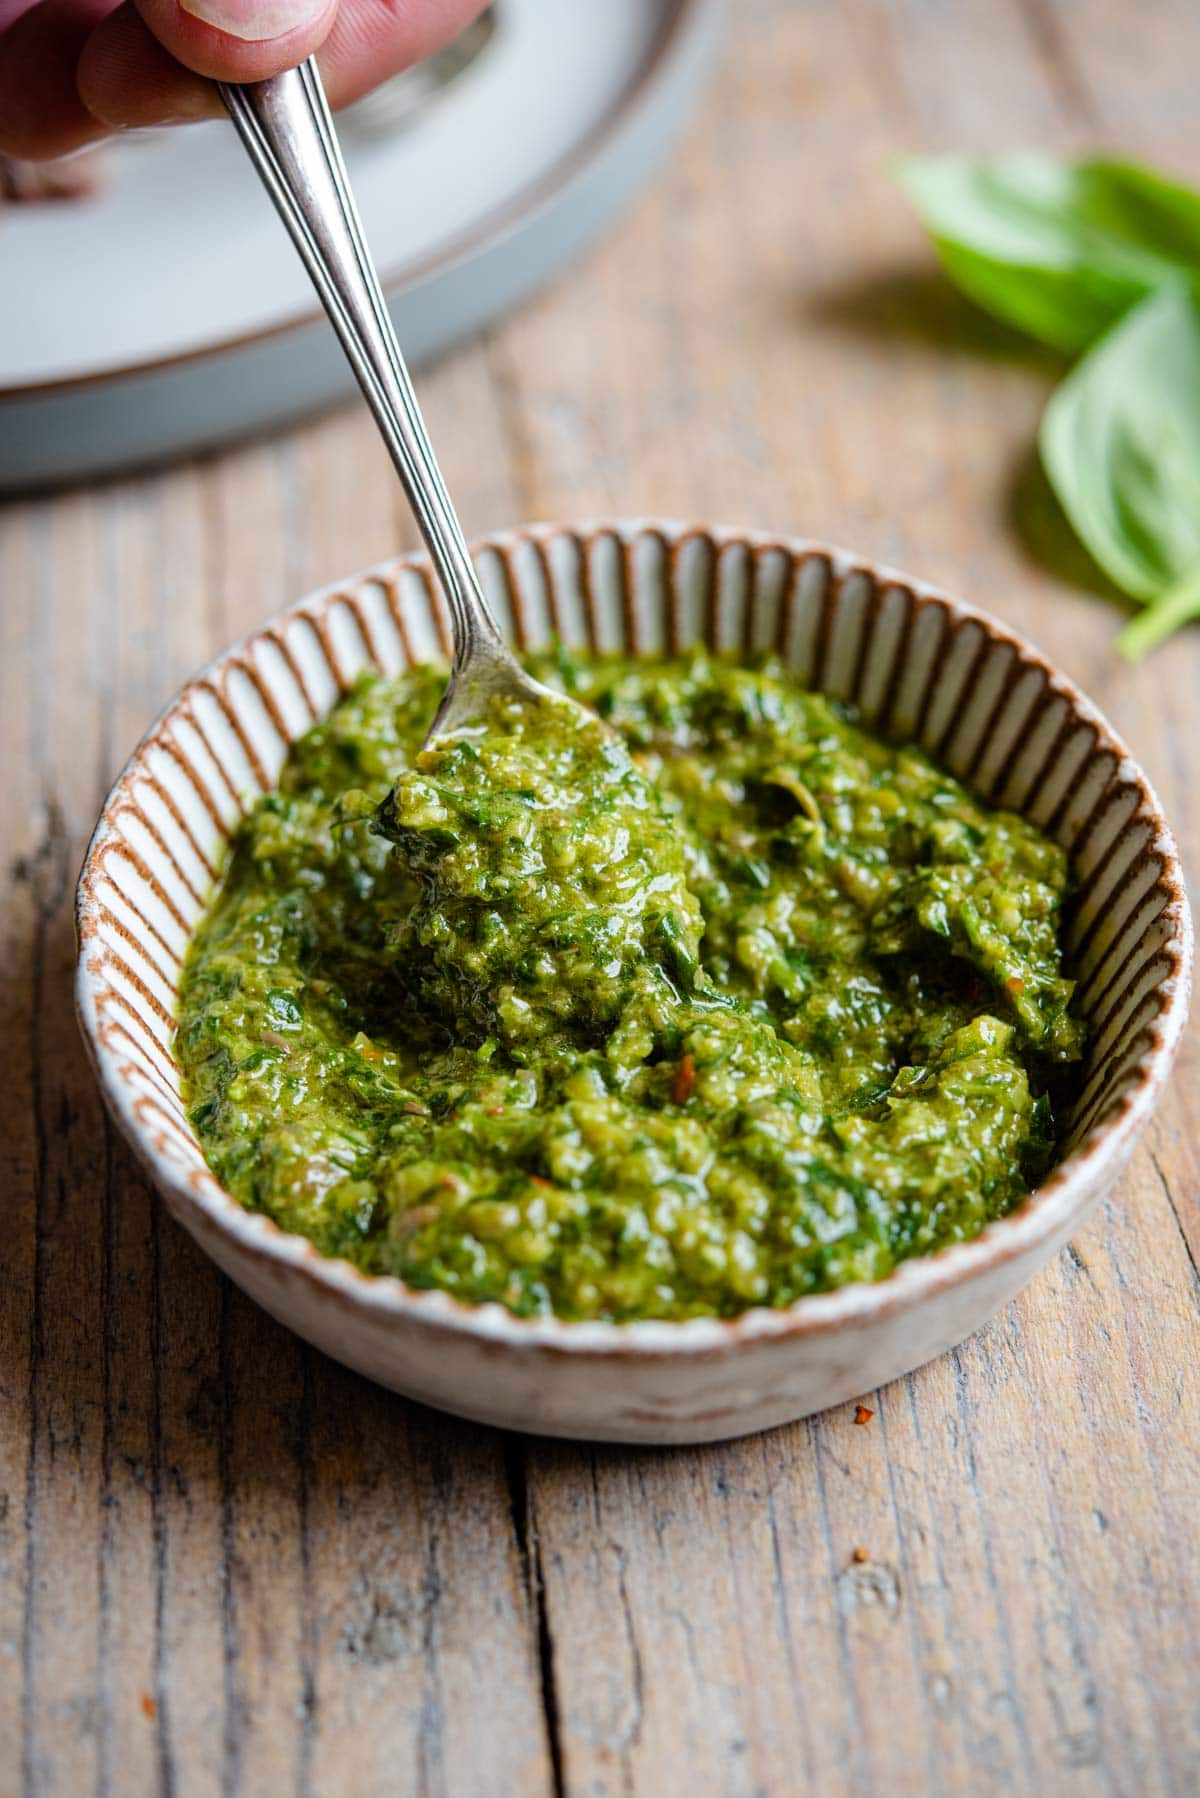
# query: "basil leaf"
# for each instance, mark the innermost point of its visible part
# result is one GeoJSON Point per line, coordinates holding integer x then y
{"type": "Point", "coordinates": [1175, 606]}
{"type": "Point", "coordinates": [1120, 441]}
{"type": "Point", "coordinates": [1058, 249]}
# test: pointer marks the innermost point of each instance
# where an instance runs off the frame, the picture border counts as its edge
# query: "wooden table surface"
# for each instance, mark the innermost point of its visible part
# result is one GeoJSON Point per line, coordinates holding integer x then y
{"type": "Point", "coordinates": [229, 1566]}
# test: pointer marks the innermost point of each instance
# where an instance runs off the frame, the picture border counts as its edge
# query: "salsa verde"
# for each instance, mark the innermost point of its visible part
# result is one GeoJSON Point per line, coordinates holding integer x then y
{"type": "Point", "coordinates": [716, 1003]}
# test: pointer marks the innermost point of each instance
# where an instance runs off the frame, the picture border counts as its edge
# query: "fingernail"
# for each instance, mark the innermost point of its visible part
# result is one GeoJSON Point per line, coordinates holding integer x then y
{"type": "Point", "coordinates": [253, 22]}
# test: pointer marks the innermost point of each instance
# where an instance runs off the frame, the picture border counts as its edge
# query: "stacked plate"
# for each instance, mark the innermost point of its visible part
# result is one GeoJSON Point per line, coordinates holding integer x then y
{"type": "Point", "coordinates": [169, 312]}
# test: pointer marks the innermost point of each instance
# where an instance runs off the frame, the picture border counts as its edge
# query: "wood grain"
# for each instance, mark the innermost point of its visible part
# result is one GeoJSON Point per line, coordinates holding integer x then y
{"type": "Point", "coordinates": [229, 1566]}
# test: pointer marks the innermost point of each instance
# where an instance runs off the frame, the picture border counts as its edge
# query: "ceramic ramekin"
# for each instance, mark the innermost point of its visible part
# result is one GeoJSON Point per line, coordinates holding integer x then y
{"type": "Point", "coordinates": [920, 666]}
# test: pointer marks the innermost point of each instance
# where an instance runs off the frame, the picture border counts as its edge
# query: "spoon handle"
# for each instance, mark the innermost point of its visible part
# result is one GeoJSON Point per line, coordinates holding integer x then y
{"type": "Point", "coordinates": [286, 126]}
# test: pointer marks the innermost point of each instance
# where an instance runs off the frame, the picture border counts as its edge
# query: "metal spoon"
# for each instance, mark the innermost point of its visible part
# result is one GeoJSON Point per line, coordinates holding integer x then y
{"type": "Point", "coordinates": [286, 126]}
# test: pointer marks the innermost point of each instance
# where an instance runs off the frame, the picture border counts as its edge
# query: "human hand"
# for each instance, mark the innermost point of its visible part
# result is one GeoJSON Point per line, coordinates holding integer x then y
{"type": "Point", "coordinates": [73, 71]}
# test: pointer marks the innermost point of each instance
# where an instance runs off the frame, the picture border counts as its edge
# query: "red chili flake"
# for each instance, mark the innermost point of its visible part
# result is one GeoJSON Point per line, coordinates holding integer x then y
{"type": "Point", "coordinates": [1014, 984]}
{"type": "Point", "coordinates": [684, 1081]}
{"type": "Point", "coordinates": [494, 1111]}
{"type": "Point", "coordinates": [862, 1414]}
{"type": "Point", "coordinates": [861, 1556]}
{"type": "Point", "coordinates": [540, 1180]}
{"type": "Point", "coordinates": [149, 1708]}
{"type": "Point", "coordinates": [416, 1219]}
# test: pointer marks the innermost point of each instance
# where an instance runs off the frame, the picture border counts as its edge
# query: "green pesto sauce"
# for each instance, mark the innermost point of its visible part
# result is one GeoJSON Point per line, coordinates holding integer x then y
{"type": "Point", "coordinates": [736, 1004]}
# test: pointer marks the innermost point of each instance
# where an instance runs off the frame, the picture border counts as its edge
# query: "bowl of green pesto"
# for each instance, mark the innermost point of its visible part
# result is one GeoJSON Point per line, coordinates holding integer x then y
{"type": "Point", "coordinates": [723, 1018]}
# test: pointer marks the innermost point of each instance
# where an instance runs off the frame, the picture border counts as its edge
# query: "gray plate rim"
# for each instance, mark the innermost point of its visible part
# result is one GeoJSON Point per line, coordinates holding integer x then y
{"type": "Point", "coordinates": [683, 20]}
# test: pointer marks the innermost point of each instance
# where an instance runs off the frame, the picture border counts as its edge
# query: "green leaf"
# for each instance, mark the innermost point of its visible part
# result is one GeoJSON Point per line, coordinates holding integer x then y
{"type": "Point", "coordinates": [1120, 441]}
{"type": "Point", "coordinates": [1061, 250]}
{"type": "Point", "coordinates": [1175, 606]}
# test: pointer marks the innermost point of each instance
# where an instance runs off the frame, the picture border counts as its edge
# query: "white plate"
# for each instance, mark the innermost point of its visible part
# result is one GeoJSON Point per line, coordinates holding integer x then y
{"type": "Point", "coordinates": [171, 311]}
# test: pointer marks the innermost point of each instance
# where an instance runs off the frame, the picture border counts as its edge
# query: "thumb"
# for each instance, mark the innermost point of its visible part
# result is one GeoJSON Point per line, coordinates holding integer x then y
{"type": "Point", "coordinates": [239, 40]}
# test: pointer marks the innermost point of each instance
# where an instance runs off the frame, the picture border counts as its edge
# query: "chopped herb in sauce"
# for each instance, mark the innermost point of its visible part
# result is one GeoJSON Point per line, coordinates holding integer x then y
{"type": "Point", "coordinates": [728, 1004]}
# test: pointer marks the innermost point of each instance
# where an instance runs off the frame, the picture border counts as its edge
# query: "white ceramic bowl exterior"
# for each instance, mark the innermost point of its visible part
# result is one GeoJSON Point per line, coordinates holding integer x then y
{"type": "Point", "coordinates": [920, 666]}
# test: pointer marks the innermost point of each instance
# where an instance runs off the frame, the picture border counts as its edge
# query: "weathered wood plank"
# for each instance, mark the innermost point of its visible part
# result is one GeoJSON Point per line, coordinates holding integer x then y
{"type": "Point", "coordinates": [32, 867]}
{"type": "Point", "coordinates": [65, 1396]}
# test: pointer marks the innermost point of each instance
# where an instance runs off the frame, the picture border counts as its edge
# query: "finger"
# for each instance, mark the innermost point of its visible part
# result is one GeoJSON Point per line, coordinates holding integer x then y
{"type": "Point", "coordinates": [126, 77]}
{"type": "Point", "coordinates": [41, 113]}
{"type": "Point", "coordinates": [239, 40]}
{"type": "Point", "coordinates": [372, 39]}
{"type": "Point", "coordinates": [153, 61]}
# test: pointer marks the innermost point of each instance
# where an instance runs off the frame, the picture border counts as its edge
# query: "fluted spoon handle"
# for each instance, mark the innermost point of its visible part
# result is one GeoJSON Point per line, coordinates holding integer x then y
{"type": "Point", "coordinates": [286, 126]}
